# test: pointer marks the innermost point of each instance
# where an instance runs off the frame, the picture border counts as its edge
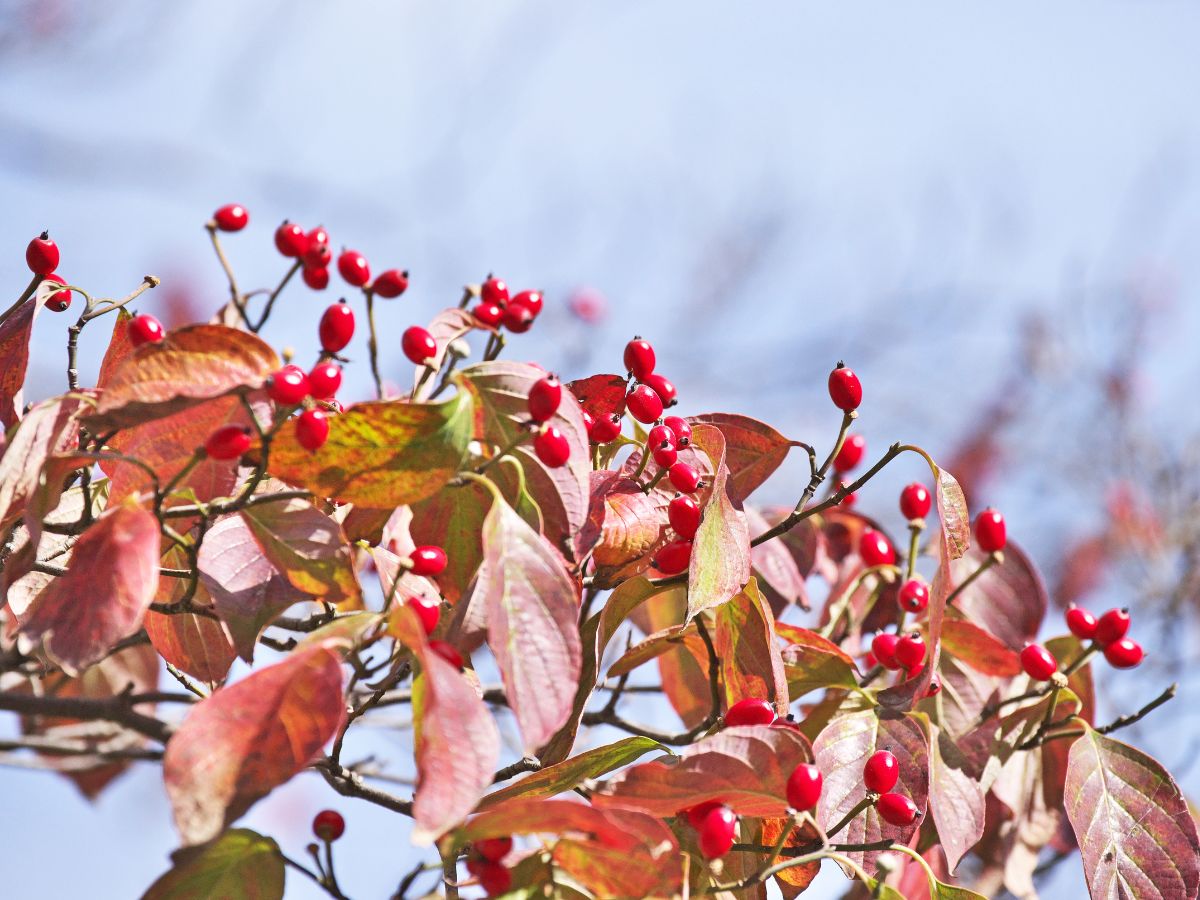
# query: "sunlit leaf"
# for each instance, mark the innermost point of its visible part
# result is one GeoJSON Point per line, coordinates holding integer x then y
{"type": "Point", "coordinates": [198, 645]}
{"type": "Point", "coordinates": [239, 865]}
{"type": "Point", "coordinates": [48, 430]}
{"type": "Point", "coordinates": [1009, 600]}
{"type": "Point", "coordinates": [780, 578]}
{"type": "Point", "coordinates": [753, 450]}
{"type": "Point", "coordinates": [119, 347]}
{"type": "Point", "coordinates": [655, 646]}
{"type": "Point", "coordinates": [812, 661]}
{"type": "Point", "coordinates": [445, 328]}
{"type": "Point", "coordinates": [745, 643]}
{"type": "Point", "coordinates": [629, 525]}
{"type": "Point", "coordinates": [976, 648]}
{"type": "Point", "coordinates": [600, 395]}
{"type": "Point", "coordinates": [720, 564]}
{"type": "Point", "coordinates": [955, 797]}
{"type": "Point", "coordinates": [15, 332]}
{"type": "Point", "coordinates": [453, 519]}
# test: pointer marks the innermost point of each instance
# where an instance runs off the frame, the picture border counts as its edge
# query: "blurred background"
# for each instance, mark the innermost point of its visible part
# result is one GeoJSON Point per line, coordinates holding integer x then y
{"type": "Point", "coordinates": [991, 214]}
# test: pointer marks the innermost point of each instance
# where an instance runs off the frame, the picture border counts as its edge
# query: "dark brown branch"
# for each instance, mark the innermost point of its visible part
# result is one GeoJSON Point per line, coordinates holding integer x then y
{"type": "Point", "coordinates": [117, 709]}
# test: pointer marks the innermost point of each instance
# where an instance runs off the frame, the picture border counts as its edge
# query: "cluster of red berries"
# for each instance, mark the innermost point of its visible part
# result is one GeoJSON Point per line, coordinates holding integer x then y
{"type": "Point", "coordinates": [485, 860]}
{"type": "Point", "coordinates": [430, 561]}
{"type": "Point", "coordinates": [650, 394]}
{"type": "Point", "coordinates": [42, 256]}
{"type": "Point", "coordinates": [880, 775]}
{"type": "Point", "coordinates": [1108, 633]}
{"type": "Point", "coordinates": [550, 444]}
{"type": "Point", "coordinates": [496, 308]}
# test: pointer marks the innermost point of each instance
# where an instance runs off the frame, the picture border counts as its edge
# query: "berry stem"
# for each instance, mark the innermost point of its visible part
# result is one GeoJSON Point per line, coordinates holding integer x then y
{"type": "Point", "coordinates": [516, 442]}
{"type": "Point", "coordinates": [849, 817]}
{"type": "Point", "coordinates": [914, 541]}
{"type": "Point", "coordinates": [266, 313]}
{"type": "Point", "coordinates": [449, 871]}
{"type": "Point", "coordinates": [1081, 660]}
{"type": "Point", "coordinates": [372, 343]}
{"type": "Point", "coordinates": [25, 295]}
{"type": "Point", "coordinates": [650, 485]}
{"type": "Point", "coordinates": [838, 608]}
{"type": "Point", "coordinates": [235, 295]}
{"type": "Point", "coordinates": [966, 582]}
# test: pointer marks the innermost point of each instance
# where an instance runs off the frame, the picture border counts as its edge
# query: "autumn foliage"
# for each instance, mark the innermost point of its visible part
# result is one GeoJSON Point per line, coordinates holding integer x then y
{"type": "Point", "coordinates": [710, 695]}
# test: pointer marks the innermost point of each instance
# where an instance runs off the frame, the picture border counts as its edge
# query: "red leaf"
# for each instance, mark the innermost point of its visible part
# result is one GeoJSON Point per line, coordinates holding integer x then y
{"type": "Point", "coordinates": [955, 797]}
{"type": "Point", "coordinates": [119, 347]}
{"type": "Point", "coordinates": [620, 829]}
{"type": "Point", "coordinates": [49, 429]}
{"type": "Point", "coordinates": [453, 520]}
{"type": "Point", "coordinates": [248, 738]}
{"type": "Point", "coordinates": [445, 328]}
{"type": "Point", "coordinates": [197, 645]}
{"type": "Point", "coordinates": [780, 577]}
{"type": "Point", "coordinates": [600, 395]}
{"type": "Point", "coordinates": [753, 450]}
{"type": "Point", "coordinates": [1009, 600]}
{"type": "Point", "coordinates": [976, 648]}
{"type": "Point", "coordinates": [745, 643]}
{"type": "Point", "coordinates": [629, 525]}
{"type": "Point", "coordinates": [720, 564]}
{"type": "Point", "coordinates": [812, 662]}
{"type": "Point", "coordinates": [15, 332]}
{"type": "Point", "coordinates": [682, 670]}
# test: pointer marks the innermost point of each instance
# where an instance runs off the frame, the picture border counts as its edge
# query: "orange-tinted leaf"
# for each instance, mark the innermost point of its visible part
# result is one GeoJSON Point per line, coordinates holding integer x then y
{"type": "Point", "coordinates": [628, 523]}
{"type": "Point", "coordinates": [109, 584]}
{"type": "Point", "coordinates": [745, 643]}
{"type": "Point", "coordinates": [655, 646]}
{"type": "Point", "coordinates": [978, 649]}
{"type": "Point", "coordinates": [248, 738]}
{"type": "Point", "coordinates": [453, 520]}
{"type": "Point", "coordinates": [753, 450]}
{"type": "Point", "coordinates": [812, 661]}
{"type": "Point", "coordinates": [682, 670]}
{"type": "Point", "coordinates": [381, 454]}
{"type": "Point", "coordinates": [15, 332]}
{"type": "Point", "coordinates": [197, 645]}
{"type": "Point", "coordinates": [239, 865]}
{"type": "Point", "coordinates": [48, 430]}
{"type": "Point", "coordinates": [793, 880]}
{"type": "Point", "coordinates": [189, 366]}
{"type": "Point", "coordinates": [720, 564]}
{"type": "Point", "coordinates": [119, 347]}
{"type": "Point", "coordinates": [621, 829]}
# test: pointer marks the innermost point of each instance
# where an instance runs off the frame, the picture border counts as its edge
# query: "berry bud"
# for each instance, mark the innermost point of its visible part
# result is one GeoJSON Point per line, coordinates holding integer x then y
{"type": "Point", "coordinates": [884, 648]}
{"type": "Point", "coordinates": [489, 314]}
{"type": "Point", "coordinates": [544, 398]}
{"type": "Point", "coordinates": [604, 429]}
{"type": "Point", "coordinates": [494, 291]}
{"type": "Point", "coordinates": [910, 651]}
{"type": "Point", "coordinates": [428, 611]}
{"type": "Point", "coordinates": [448, 652]}
{"type": "Point", "coordinates": [662, 386]}
{"type": "Point", "coordinates": [684, 515]}
{"type": "Point", "coordinates": [683, 431]}
{"type": "Point", "coordinates": [684, 477]}
{"type": "Point", "coordinates": [324, 380]}
{"type": "Point", "coordinates": [312, 429]}
{"type": "Point", "coordinates": [290, 240]}
{"type": "Point", "coordinates": [316, 278]}
{"type": "Point", "coordinates": [674, 558]}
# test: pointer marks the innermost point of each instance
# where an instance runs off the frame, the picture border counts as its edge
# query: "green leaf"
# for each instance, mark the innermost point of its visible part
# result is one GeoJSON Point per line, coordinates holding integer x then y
{"type": "Point", "coordinates": [720, 564]}
{"type": "Point", "coordinates": [745, 643]}
{"type": "Point", "coordinates": [811, 661]}
{"type": "Point", "coordinates": [239, 865]}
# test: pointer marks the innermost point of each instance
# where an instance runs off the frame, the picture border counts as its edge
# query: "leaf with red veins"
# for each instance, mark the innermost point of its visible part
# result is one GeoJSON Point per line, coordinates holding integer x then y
{"type": "Point", "coordinates": [532, 610]}
{"type": "Point", "coordinates": [600, 395]}
{"type": "Point", "coordinates": [446, 327]}
{"type": "Point", "coordinates": [780, 578]}
{"type": "Point", "coordinates": [189, 366]}
{"type": "Point", "coordinates": [453, 520]}
{"type": "Point", "coordinates": [977, 648]}
{"type": "Point", "coordinates": [197, 645]}
{"type": "Point", "coordinates": [753, 451]}
{"type": "Point", "coordinates": [48, 430]}
{"type": "Point", "coordinates": [720, 564]}
{"type": "Point", "coordinates": [110, 582]}
{"type": "Point", "coordinates": [745, 642]}
{"type": "Point", "coordinates": [1009, 600]}
{"type": "Point", "coordinates": [812, 662]}
{"type": "Point", "coordinates": [15, 332]}
{"type": "Point", "coordinates": [628, 524]}
{"type": "Point", "coordinates": [247, 738]}
{"type": "Point", "coordinates": [956, 799]}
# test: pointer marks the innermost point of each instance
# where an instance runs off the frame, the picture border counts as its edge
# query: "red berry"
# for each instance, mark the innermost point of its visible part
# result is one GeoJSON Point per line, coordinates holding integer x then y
{"type": "Point", "coordinates": [875, 549]}
{"type": "Point", "coordinates": [352, 266]}
{"type": "Point", "coordinates": [489, 314]}
{"type": "Point", "coordinates": [716, 832]}
{"type": "Point", "coordinates": [896, 809]}
{"type": "Point", "coordinates": [659, 435]}
{"type": "Point", "coordinates": [231, 217]}
{"type": "Point", "coordinates": [662, 386]}
{"type": "Point", "coordinates": [544, 398]}
{"type": "Point", "coordinates": [144, 329]}
{"type": "Point", "coordinates": [290, 240]}
{"type": "Point", "coordinates": [850, 454]}
{"type": "Point", "coordinates": [644, 404]}
{"type": "Point", "coordinates": [428, 611]}
{"type": "Point", "coordinates": [913, 596]}
{"type": "Point", "coordinates": [318, 255]}
{"type": "Point", "coordinates": [59, 301]}
{"type": "Point", "coordinates": [1124, 653]}
{"type": "Point", "coordinates": [531, 300]}
{"type": "Point", "coordinates": [324, 380]}
{"type": "Point", "coordinates": [915, 501]}
{"type": "Point", "coordinates": [317, 279]}
{"type": "Point", "coordinates": [935, 686]}
{"type": "Point", "coordinates": [448, 652]}
{"type": "Point", "coordinates": [391, 283]}
{"type": "Point", "coordinates": [684, 515]}
{"type": "Point", "coordinates": [428, 561]}
{"type": "Point", "coordinates": [328, 825]}
{"type": "Point", "coordinates": [674, 558]}
{"type": "Point", "coordinates": [910, 651]}
{"type": "Point", "coordinates": [990, 531]}
{"type": "Point", "coordinates": [318, 237]}
{"type": "Point", "coordinates": [881, 772]}
{"type": "Point", "coordinates": [665, 456]}
{"type": "Point", "coordinates": [844, 389]}
{"type": "Point", "coordinates": [639, 358]}
{"type": "Point", "coordinates": [804, 787]}
{"type": "Point", "coordinates": [229, 442]}
{"type": "Point", "coordinates": [684, 477]}
{"type": "Point", "coordinates": [494, 878]}
{"type": "Point", "coordinates": [750, 711]}
{"type": "Point", "coordinates": [418, 345]}
{"type": "Point", "coordinates": [494, 291]}
{"type": "Point", "coordinates": [337, 327]}
{"type": "Point", "coordinates": [1081, 623]}
{"type": "Point", "coordinates": [312, 429]}
{"type": "Point", "coordinates": [42, 255]}
{"type": "Point", "coordinates": [605, 429]}
{"type": "Point", "coordinates": [884, 648]}
{"type": "Point", "coordinates": [552, 447]}
{"type": "Point", "coordinates": [588, 420]}
{"type": "Point", "coordinates": [1038, 662]}
{"type": "Point", "coordinates": [695, 814]}
{"type": "Point", "coordinates": [683, 431]}
{"type": "Point", "coordinates": [494, 849]}
{"type": "Point", "coordinates": [1112, 626]}
{"type": "Point", "coordinates": [288, 386]}
{"type": "Point", "coordinates": [518, 318]}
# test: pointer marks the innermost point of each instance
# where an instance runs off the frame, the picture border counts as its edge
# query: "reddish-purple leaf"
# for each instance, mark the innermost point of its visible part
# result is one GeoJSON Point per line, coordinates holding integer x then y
{"type": "Point", "coordinates": [952, 513]}
{"type": "Point", "coordinates": [1009, 600]}
{"type": "Point", "coordinates": [753, 450]}
{"type": "Point", "coordinates": [248, 738]}
{"type": "Point", "coordinates": [49, 429]}
{"type": "Point", "coordinates": [720, 564]}
{"type": "Point", "coordinates": [976, 648]}
{"type": "Point", "coordinates": [15, 332]}
{"type": "Point", "coordinates": [453, 520]}
{"type": "Point", "coordinates": [600, 395]}
{"type": "Point", "coordinates": [749, 653]}
{"type": "Point", "coordinates": [445, 328]}
{"type": "Point", "coordinates": [628, 524]}
{"type": "Point", "coordinates": [1134, 829]}
{"type": "Point", "coordinates": [812, 662]}
{"type": "Point", "coordinates": [955, 797]}
{"type": "Point", "coordinates": [780, 577]}
{"type": "Point", "coordinates": [120, 347]}
{"type": "Point", "coordinates": [197, 645]}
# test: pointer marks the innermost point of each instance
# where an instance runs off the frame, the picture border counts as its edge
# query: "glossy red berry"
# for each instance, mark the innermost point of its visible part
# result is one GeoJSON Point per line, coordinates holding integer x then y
{"type": "Point", "coordinates": [428, 561]}
{"type": "Point", "coordinates": [716, 832]}
{"type": "Point", "coordinates": [316, 278]}
{"type": "Point", "coordinates": [665, 456]}
{"type": "Point", "coordinates": [684, 515]}
{"type": "Point", "coordinates": [42, 255]}
{"type": "Point", "coordinates": [644, 404]}
{"type": "Point", "coordinates": [518, 318]}
{"type": "Point", "coordinates": [605, 429]}
{"type": "Point", "coordinates": [391, 283]}
{"type": "Point", "coordinates": [144, 329]}
{"type": "Point", "coordinates": [884, 649]}
{"type": "Point", "coordinates": [59, 301]}
{"type": "Point", "coordinates": [544, 398]}
{"type": "Point", "coordinates": [896, 809]}
{"type": "Point", "coordinates": [312, 429]}
{"type": "Point", "coordinates": [684, 477]}
{"type": "Point", "coordinates": [804, 787]}
{"type": "Point", "coordinates": [1112, 626]}
{"type": "Point", "coordinates": [231, 217]}
{"type": "Point", "coordinates": [1038, 662]}
{"type": "Point", "coordinates": [448, 652]}
{"type": "Point", "coordinates": [494, 849]}
{"type": "Point", "coordinates": [875, 549]}
{"type": "Point", "coordinates": [915, 501]}
{"type": "Point", "coordinates": [228, 442]}
{"type": "Point", "coordinates": [1124, 653]}
{"type": "Point", "coordinates": [881, 772]}
{"type": "Point", "coordinates": [913, 596]}
{"type": "Point", "coordinates": [290, 240]}
{"type": "Point", "coordinates": [531, 300]}
{"type": "Point", "coordinates": [844, 389]}
{"type": "Point", "coordinates": [494, 291]}
{"type": "Point", "coordinates": [659, 435]}
{"type": "Point", "coordinates": [990, 531]}
{"type": "Point", "coordinates": [318, 237]}
{"type": "Point", "coordinates": [588, 421]}
{"type": "Point", "coordinates": [552, 447]}
{"type": "Point", "coordinates": [328, 825]}
{"type": "Point", "coordinates": [850, 454]}
{"type": "Point", "coordinates": [337, 327]}
{"type": "Point", "coordinates": [674, 558]}
{"type": "Point", "coordinates": [324, 380]}
{"type": "Point", "coordinates": [910, 651]}
{"type": "Point", "coordinates": [639, 358]}
{"type": "Point", "coordinates": [682, 429]}
{"type": "Point", "coordinates": [318, 255]}
{"type": "Point", "coordinates": [1081, 623]}
{"type": "Point", "coordinates": [489, 314]}
{"type": "Point", "coordinates": [288, 386]}
{"type": "Point", "coordinates": [695, 814]}
{"type": "Point", "coordinates": [663, 386]}
{"type": "Point", "coordinates": [494, 878]}
{"type": "Point", "coordinates": [418, 345]}
{"type": "Point", "coordinates": [750, 711]}
{"type": "Point", "coordinates": [427, 610]}
{"type": "Point", "coordinates": [352, 266]}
